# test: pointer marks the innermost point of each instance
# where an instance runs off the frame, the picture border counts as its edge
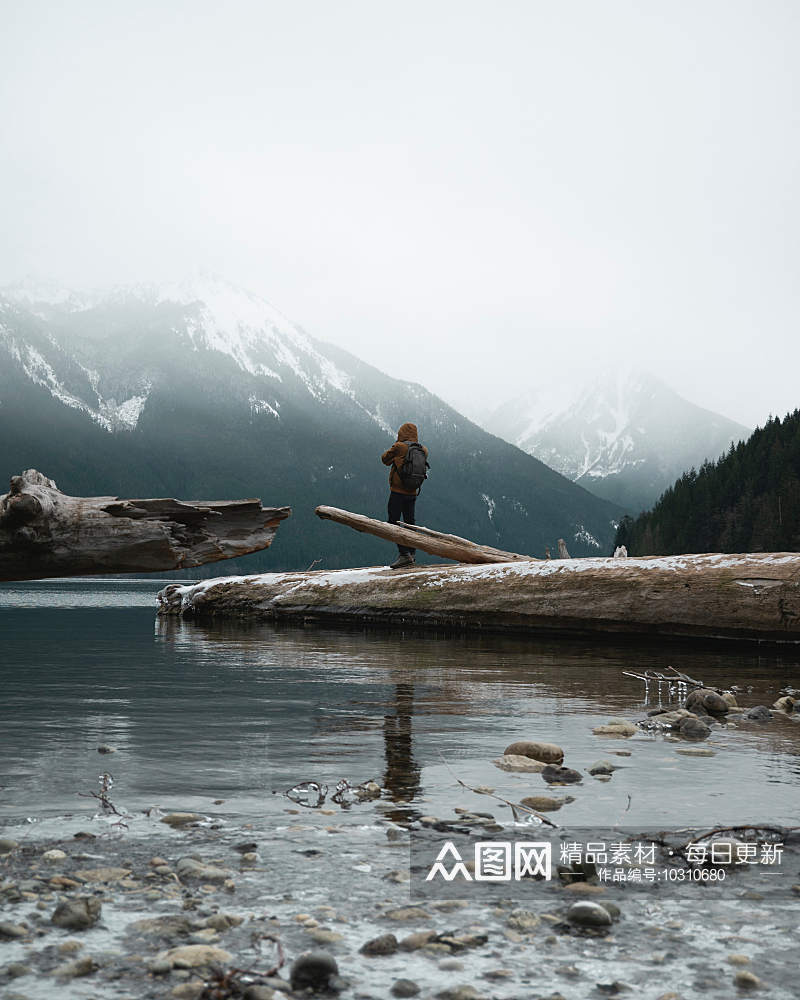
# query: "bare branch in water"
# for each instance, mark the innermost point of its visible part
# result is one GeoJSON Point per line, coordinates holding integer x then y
{"type": "Point", "coordinates": [516, 807]}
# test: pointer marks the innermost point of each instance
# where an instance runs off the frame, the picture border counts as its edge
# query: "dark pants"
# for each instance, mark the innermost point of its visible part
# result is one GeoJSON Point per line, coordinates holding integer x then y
{"type": "Point", "coordinates": [401, 505]}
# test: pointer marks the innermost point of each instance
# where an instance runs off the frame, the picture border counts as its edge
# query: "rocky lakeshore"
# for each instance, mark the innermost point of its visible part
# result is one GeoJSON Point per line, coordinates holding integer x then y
{"type": "Point", "coordinates": [743, 597]}
{"type": "Point", "coordinates": [314, 899]}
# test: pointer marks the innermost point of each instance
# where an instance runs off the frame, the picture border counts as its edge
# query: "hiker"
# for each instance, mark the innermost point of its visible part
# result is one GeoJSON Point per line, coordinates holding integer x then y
{"type": "Point", "coordinates": [407, 459]}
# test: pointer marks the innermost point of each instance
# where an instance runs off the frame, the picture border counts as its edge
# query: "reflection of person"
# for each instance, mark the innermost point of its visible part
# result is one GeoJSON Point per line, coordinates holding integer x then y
{"type": "Point", "coordinates": [403, 497]}
{"type": "Point", "coordinates": [402, 776]}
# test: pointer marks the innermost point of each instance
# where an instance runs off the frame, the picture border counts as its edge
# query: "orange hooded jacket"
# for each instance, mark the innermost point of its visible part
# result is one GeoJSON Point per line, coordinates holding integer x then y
{"type": "Point", "coordinates": [395, 457]}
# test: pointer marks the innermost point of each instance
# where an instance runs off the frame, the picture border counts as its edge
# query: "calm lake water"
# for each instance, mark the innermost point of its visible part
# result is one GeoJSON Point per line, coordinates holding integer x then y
{"type": "Point", "coordinates": [237, 713]}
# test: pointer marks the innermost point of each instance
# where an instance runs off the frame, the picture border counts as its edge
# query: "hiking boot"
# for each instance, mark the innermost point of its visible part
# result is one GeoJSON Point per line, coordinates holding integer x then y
{"type": "Point", "coordinates": [401, 561]}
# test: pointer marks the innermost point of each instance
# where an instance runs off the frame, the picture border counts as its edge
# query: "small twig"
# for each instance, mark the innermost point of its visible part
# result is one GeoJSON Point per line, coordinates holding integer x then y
{"type": "Point", "coordinates": [313, 564]}
{"type": "Point", "coordinates": [515, 806]}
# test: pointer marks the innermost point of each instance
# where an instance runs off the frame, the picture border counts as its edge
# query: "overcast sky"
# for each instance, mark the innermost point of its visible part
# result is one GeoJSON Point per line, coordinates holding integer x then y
{"type": "Point", "coordinates": [483, 197]}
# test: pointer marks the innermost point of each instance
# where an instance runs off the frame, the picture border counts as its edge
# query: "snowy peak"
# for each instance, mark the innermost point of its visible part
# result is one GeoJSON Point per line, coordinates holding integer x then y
{"type": "Point", "coordinates": [626, 435]}
{"type": "Point", "coordinates": [100, 334]}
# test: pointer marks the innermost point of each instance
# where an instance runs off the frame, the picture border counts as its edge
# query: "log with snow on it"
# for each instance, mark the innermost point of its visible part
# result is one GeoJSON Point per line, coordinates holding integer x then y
{"type": "Point", "coordinates": [45, 533]}
{"type": "Point", "coordinates": [415, 536]}
{"type": "Point", "coordinates": [741, 597]}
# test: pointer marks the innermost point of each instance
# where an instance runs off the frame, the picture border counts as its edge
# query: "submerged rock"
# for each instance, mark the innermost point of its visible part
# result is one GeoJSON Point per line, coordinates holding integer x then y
{"type": "Point", "coordinates": [560, 775]}
{"type": "Point", "coordinates": [182, 819]}
{"type": "Point", "coordinates": [616, 727]}
{"type": "Point", "coordinates": [544, 803]}
{"type": "Point", "coordinates": [549, 753]}
{"type": "Point", "coordinates": [693, 729]}
{"type": "Point", "coordinates": [313, 970]}
{"type": "Point", "coordinates": [79, 967]}
{"type": "Point", "coordinates": [189, 869]}
{"type": "Point", "coordinates": [385, 944]}
{"type": "Point", "coordinates": [194, 956]}
{"type": "Point", "coordinates": [77, 914]}
{"type": "Point", "coordinates": [759, 713]}
{"type": "Point", "coordinates": [7, 845]}
{"type": "Point", "coordinates": [586, 914]}
{"type": "Point", "coordinates": [405, 988]}
{"type": "Point", "coordinates": [602, 767]}
{"type": "Point", "coordinates": [9, 931]}
{"type": "Point", "coordinates": [746, 981]}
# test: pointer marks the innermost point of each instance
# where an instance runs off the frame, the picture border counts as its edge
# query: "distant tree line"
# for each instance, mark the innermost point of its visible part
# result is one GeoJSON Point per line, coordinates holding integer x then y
{"type": "Point", "coordinates": [747, 501]}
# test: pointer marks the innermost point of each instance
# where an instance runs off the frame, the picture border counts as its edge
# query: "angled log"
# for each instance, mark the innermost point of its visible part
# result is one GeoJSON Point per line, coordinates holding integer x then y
{"type": "Point", "coordinates": [416, 536]}
{"type": "Point", "coordinates": [45, 533]}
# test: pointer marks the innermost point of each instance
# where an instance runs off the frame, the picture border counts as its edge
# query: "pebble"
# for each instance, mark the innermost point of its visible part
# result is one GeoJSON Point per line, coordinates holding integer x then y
{"type": "Point", "coordinates": [105, 748]}
{"type": "Point", "coordinates": [10, 931]}
{"type": "Point", "coordinates": [518, 762]}
{"type": "Point", "coordinates": [72, 970]}
{"type": "Point", "coordinates": [194, 956]}
{"type": "Point", "coordinates": [54, 855]}
{"type": "Point", "coordinates": [181, 819]}
{"type": "Point", "coordinates": [313, 970]}
{"type": "Point", "coordinates": [587, 914]}
{"type": "Point", "coordinates": [17, 969]}
{"type": "Point", "coordinates": [417, 940]}
{"type": "Point", "coordinates": [560, 775]}
{"type": "Point", "coordinates": [616, 727]}
{"type": "Point", "coordinates": [77, 914]}
{"type": "Point", "coordinates": [102, 874]}
{"type": "Point", "coordinates": [602, 767]}
{"type": "Point", "coordinates": [407, 913]}
{"type": "Point", "coordinates": [737, 960]}
{"type": "Point", "coordinates": [459, 993]}
{"type": "Point", "coordinates": [321, 935]}
{"type": "Point", "coordinates": [544, 803]}
{"type": "Point", "coordinates": [7, 845]}
{"type": "Point", "coordinates": [385, 944]}
{"type": "Point", "coordinates": [451, 965]}
{"type": "Point", "coordinates": [759, 713]}
{"type": "Point", "coordinates": [523, 920]}
{"type": "Point", "coordinates": [192, 870]}
{"type": "Point", "coordinates": [258, 992]}
{"type": "Point", "coordinates": [693, 729]}
{"type": "Point", "coordinates": [548, 753]}
{"type": "Point", "coordinates": [405, 988]}
{"type": "Point", "coordinates": [745, 980]}
{"type": "Point", "coordinates": [696, 751]}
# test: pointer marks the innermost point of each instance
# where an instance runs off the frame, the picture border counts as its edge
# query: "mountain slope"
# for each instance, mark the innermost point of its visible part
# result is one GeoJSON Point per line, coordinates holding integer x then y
{"type": "Point", "coordinates": [625, 437]}
{"type": "Point", "coordinates": [206, 391]}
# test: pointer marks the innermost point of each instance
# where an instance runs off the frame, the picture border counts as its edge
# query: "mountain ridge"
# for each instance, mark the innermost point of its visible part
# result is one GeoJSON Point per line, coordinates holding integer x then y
{"type": "Point", "coordinates": [626, 435]}
{"type": "Point", "coordinates": [226, 397]}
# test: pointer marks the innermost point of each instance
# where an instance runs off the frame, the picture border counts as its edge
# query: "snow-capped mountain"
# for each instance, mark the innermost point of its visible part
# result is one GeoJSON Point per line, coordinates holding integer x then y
{"type": "Point", "coordinates": [204, 390]}
{"type": "Point", "coordinates": [626, 436]}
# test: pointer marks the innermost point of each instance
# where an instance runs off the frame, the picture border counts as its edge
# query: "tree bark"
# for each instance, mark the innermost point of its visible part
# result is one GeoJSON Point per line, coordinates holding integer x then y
{"type": "Point", "coordinates": [416, 536]}
{"type": "Point", "coordinates": [45, 533]}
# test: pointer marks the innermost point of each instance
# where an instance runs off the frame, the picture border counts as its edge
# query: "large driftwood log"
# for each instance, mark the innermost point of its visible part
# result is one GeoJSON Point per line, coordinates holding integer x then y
{"type": "Point", "coordinates": [742, 597]}
{"type": "Point", "coordinates": [45, 533]}
{"type": "Point", "coordinates": [415, 536]}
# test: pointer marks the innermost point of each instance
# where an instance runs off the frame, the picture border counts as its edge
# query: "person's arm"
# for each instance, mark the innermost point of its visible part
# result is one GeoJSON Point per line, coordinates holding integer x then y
{"type": "Point", "coordinates": [389, 456]}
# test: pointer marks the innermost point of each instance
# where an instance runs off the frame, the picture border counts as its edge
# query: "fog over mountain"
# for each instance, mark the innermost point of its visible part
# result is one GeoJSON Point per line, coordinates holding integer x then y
{"type": "Point", "coordinates": [625, 435]}
{"type": "Point", "coordinates": [205, 391]}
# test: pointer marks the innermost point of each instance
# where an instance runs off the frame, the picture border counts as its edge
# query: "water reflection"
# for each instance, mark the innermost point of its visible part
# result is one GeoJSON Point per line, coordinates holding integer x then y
{"type": "Point", "coordinates": [236, 711]}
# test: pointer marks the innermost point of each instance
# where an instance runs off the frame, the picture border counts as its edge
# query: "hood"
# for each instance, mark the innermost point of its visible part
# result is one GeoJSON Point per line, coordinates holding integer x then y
{"type": "Point", "coordinates": [408, 432]}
